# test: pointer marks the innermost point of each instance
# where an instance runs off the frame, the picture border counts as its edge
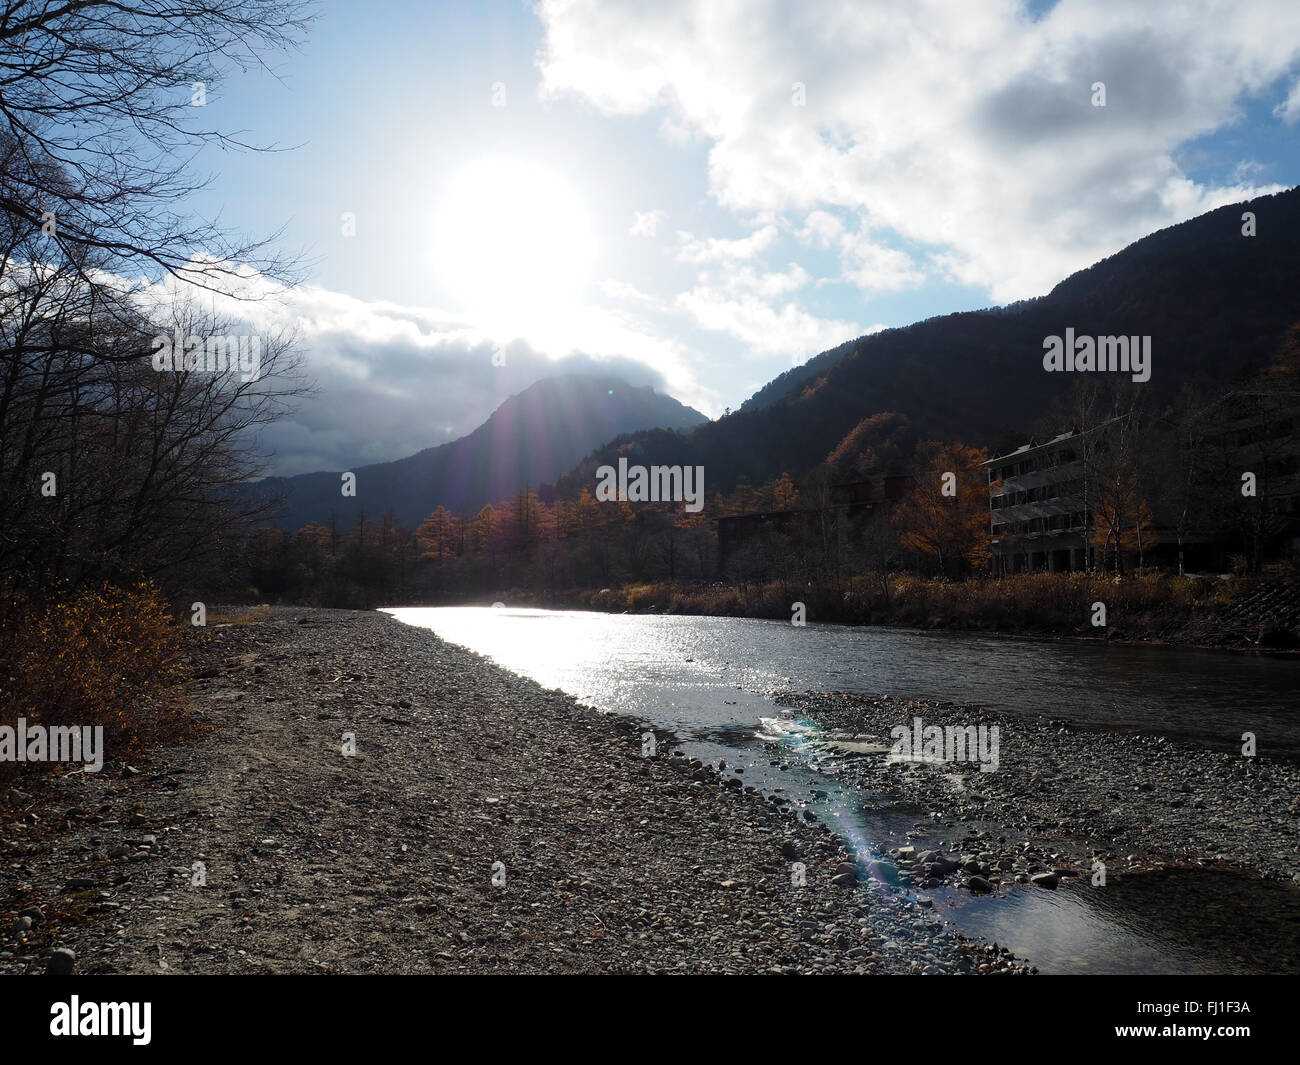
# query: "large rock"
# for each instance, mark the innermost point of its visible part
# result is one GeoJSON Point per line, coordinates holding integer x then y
{"type": "Point", "coordinates": [1045, 880]}
{"type": "Point", "coordinates": [941, 865]}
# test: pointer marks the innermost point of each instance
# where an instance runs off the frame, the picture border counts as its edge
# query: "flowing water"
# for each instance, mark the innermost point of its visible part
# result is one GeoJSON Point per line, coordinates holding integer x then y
{"type": "Point", "coordinates": [711, 681]}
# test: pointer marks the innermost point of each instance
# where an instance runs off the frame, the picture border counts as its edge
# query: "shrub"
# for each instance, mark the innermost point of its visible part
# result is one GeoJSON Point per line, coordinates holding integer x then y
{"type": "Point", "coordinates": [107, 656]}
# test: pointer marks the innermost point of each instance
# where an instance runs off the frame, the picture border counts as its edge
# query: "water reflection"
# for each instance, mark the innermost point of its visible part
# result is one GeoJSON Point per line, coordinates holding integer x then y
{"type": "Point", "coordinates": [1178, 921]}
{"type": "Point", "coordinates": [709, 681]}
{"type": "Point", "coordinates": [696, 674]}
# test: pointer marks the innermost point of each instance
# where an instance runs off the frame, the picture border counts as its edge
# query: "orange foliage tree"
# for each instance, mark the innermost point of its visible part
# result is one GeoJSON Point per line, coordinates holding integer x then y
{"type": "Point", "coordinates": [1122, 523]}
{"type": "Point", "coordinates": [946, 516]}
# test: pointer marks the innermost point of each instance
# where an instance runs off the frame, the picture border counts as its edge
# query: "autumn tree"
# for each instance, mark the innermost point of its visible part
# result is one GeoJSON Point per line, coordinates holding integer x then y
{"type": "Point", "coordinates": [316, 538]}
{"type": "Point", "coordinates": [699, 540]}
{"type": "Point", "coordinates": [876, 443]}
{"type": "Point", "coordinates": [435, 535]}
{"type": "Point", "coordinates": [945, 516]}
{"type": "Point", "coordinates": [480, 536]}
{"type": "Point", "coordinates": [1122, 522]}
{"type": "Point", "coordinates": [785, 496]}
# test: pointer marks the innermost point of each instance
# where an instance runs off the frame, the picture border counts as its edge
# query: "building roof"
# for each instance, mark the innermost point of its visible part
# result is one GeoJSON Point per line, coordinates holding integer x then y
{"type": "Point", "coordinates": [1034, 445]}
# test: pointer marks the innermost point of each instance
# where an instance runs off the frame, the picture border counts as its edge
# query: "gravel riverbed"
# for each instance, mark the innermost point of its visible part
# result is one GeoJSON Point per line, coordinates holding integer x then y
{"type": "Point", "coordinates": [484, 824]}
{"type": "Point", "coordinates": [1061, 799]}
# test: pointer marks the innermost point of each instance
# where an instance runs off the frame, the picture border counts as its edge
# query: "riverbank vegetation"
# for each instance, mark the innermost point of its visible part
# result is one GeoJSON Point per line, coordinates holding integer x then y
{"type": "Point", "coordinates": [1158, 606]}
{"type": "Point", "coordinates": [106, 657]}
{"type": "Point", "coordinates": [1211, 610]}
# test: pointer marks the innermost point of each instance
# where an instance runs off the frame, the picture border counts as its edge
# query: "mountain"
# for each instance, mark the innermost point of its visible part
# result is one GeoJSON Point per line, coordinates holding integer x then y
{"type": "Point", "coordinates": [1213, 301]}
{"type": "Point", "coordinates": [797, 377]}
{"type": "Point", "coordinates": [530, 439]}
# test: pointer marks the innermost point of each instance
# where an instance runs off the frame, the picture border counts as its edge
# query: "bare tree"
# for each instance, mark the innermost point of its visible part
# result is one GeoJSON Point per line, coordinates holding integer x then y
{"type": "Point", "coordinates": [101, 114]}
{"type": "Point", "coordinates": [114, 466]}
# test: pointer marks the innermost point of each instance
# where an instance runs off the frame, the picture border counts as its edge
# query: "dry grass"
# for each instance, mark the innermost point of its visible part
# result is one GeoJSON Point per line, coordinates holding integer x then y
{"type": "Point", "coordinates": [1143, 603]}
{"type": "Point", "coordinates": [107, 656]}
{"type": "Point", "coordinates": [240, 617]}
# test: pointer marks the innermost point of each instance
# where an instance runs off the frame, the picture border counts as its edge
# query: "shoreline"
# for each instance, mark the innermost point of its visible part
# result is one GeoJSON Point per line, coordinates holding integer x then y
{"type": "Point", "coordinates": [385, 861]}
{"type": "Point", "coordinates": [1007, 632]}
{"type": "Point", "coordinates": [1064, 796]}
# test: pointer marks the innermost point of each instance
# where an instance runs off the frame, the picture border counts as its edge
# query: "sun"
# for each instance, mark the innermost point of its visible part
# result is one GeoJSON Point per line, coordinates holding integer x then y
{"type": "Point", "coordinates": [512, 246]}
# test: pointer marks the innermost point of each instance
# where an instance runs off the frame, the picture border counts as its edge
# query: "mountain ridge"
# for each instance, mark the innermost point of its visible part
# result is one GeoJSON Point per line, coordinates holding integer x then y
{"type": "Point", "coordinates": [532, 438]}
{"type": "Point", "coordinates": [1215, 302]}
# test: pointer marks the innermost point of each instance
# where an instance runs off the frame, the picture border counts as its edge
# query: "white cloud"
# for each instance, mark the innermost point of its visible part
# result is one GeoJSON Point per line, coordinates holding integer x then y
{"type": "Point", "coordinates": [964, 127]}
{"type": "Point", "coordinates": [764, 329]}
{"type": "Point", "coordinates": [873, 267]}
{"type": "Point", "coordinates": [646, 223]}
{"type": "Point", "coordinates": [1289, 109]}
{"type": "Point", "coordinates": [821, 229]}
{"type": "Point", "coordinates": [769, 284]}
{"type": "Point", "coordinates": [739, 301]}
{"type": "Point", "coordinates": [750, 304]}
{"type": "Point", "coordinates": [692, 249]}
{"type": "Point", "coordinates": [626, 293]}
{"type": "Point", "coordinates": [393, 379]}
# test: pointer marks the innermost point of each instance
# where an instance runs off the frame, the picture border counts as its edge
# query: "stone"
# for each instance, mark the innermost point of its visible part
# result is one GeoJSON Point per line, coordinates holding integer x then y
{"type": "Point", "coordinates": [941, 866]}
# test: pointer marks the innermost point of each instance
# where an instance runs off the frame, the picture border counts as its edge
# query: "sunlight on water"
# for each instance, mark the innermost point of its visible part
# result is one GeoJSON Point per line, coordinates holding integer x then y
{"type": "Point", "coordinates": [710, 681]}
{"type": "Point", "coordinates": [668, 672]}
{"type": "Point", "coordinates": [698, 673]}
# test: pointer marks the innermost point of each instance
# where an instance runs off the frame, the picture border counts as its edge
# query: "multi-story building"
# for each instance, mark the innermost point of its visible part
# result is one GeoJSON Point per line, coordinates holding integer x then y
{"type": "Point", "coordinates": [1043, 496]}
{"type": "Point", "coordinates": [1037, 511]}
{"type": "Point", "coordinates": [1259, 433]}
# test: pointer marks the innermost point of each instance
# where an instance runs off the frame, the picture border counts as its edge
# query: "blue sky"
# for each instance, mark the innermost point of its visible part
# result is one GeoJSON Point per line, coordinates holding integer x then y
{"type": "Point", "coordinates": [656, 192]}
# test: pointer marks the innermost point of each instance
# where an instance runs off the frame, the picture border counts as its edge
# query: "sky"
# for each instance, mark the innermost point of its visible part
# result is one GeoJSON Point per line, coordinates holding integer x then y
{"type": "Point", "coordinates": [702, 195]}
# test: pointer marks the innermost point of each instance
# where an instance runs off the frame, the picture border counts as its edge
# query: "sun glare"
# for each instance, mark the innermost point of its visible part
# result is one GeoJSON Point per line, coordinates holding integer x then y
{"type": "Point", "coordinates": [512, 245]}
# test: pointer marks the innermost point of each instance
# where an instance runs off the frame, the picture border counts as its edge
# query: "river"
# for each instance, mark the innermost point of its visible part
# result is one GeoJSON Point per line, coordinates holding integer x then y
{"type": "Point", "coordinates": [711, 682]}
